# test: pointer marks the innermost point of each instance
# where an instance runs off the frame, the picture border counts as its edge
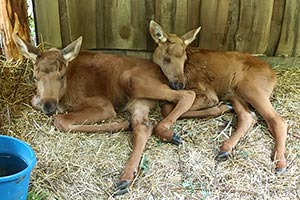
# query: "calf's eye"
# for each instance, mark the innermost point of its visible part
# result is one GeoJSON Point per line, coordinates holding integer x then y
{"type": "Point", "coordinates": [167, 60]}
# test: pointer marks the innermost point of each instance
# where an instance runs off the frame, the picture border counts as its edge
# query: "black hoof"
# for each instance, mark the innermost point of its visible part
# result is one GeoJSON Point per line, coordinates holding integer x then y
{"type": "Point", "coordinates": [223, 155]}
{"type": "Point", "coordinates": [176, 139]}
{"type": "Point", "coordinates": [280, 170]}
{"type": "Point", "coordinates": [229, 106]}
{"type": "Point", "coordinates": [122, 188]}
{"type": "Point", "coordinates": [130, 128]}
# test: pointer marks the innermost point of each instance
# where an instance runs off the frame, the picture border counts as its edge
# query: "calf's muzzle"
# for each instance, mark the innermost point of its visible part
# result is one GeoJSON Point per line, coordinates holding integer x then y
{"type": "Point", "coordinates": [49, 107]}
{"type": "Point", "coordinates": [177, 85]}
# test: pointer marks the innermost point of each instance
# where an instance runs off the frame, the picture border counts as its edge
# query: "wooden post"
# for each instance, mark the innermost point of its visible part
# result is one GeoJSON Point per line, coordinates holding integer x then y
{"type": "Point", "coordinates": [13, 18]}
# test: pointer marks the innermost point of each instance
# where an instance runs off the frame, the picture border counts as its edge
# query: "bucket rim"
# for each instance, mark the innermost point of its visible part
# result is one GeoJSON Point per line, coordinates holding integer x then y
{"type": "Point", "coordinates": [29, 167]}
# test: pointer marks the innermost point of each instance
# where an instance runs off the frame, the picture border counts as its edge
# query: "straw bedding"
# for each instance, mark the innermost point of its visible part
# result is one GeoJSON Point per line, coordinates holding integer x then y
{"type": "Point", "coordinates": [86, 166]}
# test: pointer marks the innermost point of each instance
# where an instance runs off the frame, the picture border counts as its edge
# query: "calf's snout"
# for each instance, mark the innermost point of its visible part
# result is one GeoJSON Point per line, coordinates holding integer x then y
{"type": "Point", "coordinates": [177, 85]}
{"type": "Point", "coordinates": [49, 106]}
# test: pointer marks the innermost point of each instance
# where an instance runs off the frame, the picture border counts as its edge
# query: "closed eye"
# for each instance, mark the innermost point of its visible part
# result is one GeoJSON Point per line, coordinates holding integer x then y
{"type": "Point", "coordinates": [167, 60]}
{"type": "Point", "coordinates": [62, 77]}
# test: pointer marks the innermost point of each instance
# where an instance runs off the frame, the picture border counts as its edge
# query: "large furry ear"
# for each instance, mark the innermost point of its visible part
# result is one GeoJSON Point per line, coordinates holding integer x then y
{"type": "Point", "coordinates": [190, 36]}
{"type": "Point", "coordinates": [27, 49]}
{"type": "Point", "coordinates": [72, 50]}
{"type": "Point", "coordinates": [157, 33]}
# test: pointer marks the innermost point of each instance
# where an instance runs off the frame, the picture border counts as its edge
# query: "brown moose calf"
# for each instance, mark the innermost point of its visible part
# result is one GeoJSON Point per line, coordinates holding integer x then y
{"type": "Point", "coordinates": [231, 76]}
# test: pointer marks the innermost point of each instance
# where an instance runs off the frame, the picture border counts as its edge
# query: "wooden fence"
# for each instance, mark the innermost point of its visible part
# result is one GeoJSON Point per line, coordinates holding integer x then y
{"type": "Point", "coordinates": [269, 27]}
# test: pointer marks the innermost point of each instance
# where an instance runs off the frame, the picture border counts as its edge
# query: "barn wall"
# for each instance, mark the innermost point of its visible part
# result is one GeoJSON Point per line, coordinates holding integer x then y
{"type": "Point", "coordinates": [269, 27]}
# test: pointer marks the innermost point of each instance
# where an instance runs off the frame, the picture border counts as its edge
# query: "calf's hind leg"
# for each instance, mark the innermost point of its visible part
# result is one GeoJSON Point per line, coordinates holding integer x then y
{"type": "Point", "coordinates": [259, 99]}
{"type": "Point", "coordinates": [142, 130]}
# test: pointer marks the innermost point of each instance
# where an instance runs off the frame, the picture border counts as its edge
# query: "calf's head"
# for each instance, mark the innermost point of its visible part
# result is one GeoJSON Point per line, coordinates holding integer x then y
{"type": "Point", "coordinates": [49, 71]}
{"type": "Point", "coordinates": [170, 53]}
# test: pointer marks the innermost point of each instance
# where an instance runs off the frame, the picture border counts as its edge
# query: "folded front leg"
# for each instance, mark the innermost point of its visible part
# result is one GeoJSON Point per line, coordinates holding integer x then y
{"type": "Point", "coordinates": [82, 119]}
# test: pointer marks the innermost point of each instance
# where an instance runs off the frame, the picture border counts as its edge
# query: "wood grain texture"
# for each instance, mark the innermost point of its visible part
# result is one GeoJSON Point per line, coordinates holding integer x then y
{"type": "Point", "coordinates": [180, 17]}
{"type": "Point", "coordinates": [254, 26]}
{"type": "Point", "coordinates": [164, 14]}
{"type": "Point", "coordinates": [193, 18]}
{"type": "Point", "coordinates": [123, 25]}
{"type": "Point", "coordinates": [150, 7]}
{"type": "Point", "coordinates": [276, 24]}
{"type": "Point", "coordinates": [296, 49]}
{"type": "Point", "coordinates": [47, 21]}
{"type": "Point", "coordinates": [218, 20]}
{"type": "Point", "coordinates": [289, 38]}
{"type": "Point", "coordinates": [82, 19]}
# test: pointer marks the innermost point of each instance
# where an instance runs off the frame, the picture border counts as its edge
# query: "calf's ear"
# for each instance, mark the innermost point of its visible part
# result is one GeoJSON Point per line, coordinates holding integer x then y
{"type": "Point", "coordinates": [190, 36]}
{"type": "Point", "coordinates": [27, 49]}
{"type": "Point", "coordinates": [157, 33]}
{"type": "Point", "coordinates": [72, 50]}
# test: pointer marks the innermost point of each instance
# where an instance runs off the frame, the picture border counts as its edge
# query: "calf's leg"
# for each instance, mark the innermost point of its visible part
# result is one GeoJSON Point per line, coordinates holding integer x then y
{"type": "Point", "coordinates": [151, 88]}
{"type": "Point", "coordinates": [207, 112]}
{"type": "Point", "coordinates": [259, 99]}
{"type": "Point", "coordinates": [245, 119]}
{"type": "Point", "coordinates": [142, 130]}
{"type": "Point", "coordinates": [95, 110]}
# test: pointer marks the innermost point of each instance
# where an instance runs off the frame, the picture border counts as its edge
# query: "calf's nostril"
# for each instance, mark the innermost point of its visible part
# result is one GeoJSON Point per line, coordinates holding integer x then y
{"type": "Point", "coordinates": [180, 86]}
{"type": "Point", "coordinates": [176, 85]}
{"type": "Point", "coordinates": [49, 108]}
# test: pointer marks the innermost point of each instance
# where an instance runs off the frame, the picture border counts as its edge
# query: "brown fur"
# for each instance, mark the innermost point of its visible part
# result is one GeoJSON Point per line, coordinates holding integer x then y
{"type": "Point", "coordinates": [231, 76]}
{"type": "Point", "coordinates": [89, 86]}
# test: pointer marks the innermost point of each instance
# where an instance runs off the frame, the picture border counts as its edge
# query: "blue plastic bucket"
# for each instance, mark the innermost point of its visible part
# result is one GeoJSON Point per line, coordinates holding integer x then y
{"type": "Point", "coordinates": [17, 160]}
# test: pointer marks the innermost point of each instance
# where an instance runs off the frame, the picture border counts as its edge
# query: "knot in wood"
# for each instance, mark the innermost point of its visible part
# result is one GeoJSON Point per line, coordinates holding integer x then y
{"type": "Point", "coordinates": [125, 32]}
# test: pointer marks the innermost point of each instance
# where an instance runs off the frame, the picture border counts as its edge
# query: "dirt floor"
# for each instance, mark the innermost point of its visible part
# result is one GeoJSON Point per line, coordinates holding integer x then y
{"type": "Point", "coordinates": [86, 166]}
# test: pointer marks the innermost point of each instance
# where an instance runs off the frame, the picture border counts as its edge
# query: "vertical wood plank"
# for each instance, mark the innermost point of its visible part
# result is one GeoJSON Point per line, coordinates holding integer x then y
{"type": "Point", "coordinates": [231, 27]}
{"type": "Point", "coordinates": [149, 9]}
{"type": "Point", "coordinates": [64, 19]}
{"type": "Point", "coordinates": [193, 17]}
{"type": "Point", "coordinates": [180, 17]}
{"type": "Point", "coordinates": [139, 25]}
{"type": "Point", "coordinates": [124, 24]}
{"type": "Point", "coordinates": [172, 15]}
{"type": "Point", "coordinates": [254, 26]}
{"type": "Point", "coordinates": [290, 30]}
{"type": "Point", "coordinates": [164, 14]}
{"type": "Point", "coordinates": [296, 49]}
{"type": "Point", "coordinates": [82, 21]}
{"type": "Point", "coordinates": [276, 23]}
{"type": "Point", "coordinates": [100, 31]}
{"type": "Point", "coordinates": [47, 20]}
{"type": "Point", "coordinates": [218, 20]}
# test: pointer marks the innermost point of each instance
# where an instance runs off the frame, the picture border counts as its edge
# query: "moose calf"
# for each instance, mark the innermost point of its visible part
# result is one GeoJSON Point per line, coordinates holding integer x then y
{"type": "Point", "coordinates": [230, 76]}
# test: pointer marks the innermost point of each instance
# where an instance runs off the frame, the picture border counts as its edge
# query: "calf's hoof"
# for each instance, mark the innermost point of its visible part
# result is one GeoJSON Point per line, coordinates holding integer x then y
{"type": "Point", "coordinates": [130, 128]}
{"type": "Point", "coordinates": [229, 107]}
{"type": "Point", "coordinates": [122, 187]}
{"type": "Point", "coordinates": [176, 139]}
{"type": "Point", "coordinates": [280, 170]}
{"type": "Point", "coordinates": [223, 155]}
{"type": "Point", "coordinates": [280, 167]}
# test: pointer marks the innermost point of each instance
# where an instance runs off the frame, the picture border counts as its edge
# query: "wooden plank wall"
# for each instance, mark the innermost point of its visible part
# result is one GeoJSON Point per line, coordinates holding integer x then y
{"type": "Point", "coordinates": [269, 27]}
